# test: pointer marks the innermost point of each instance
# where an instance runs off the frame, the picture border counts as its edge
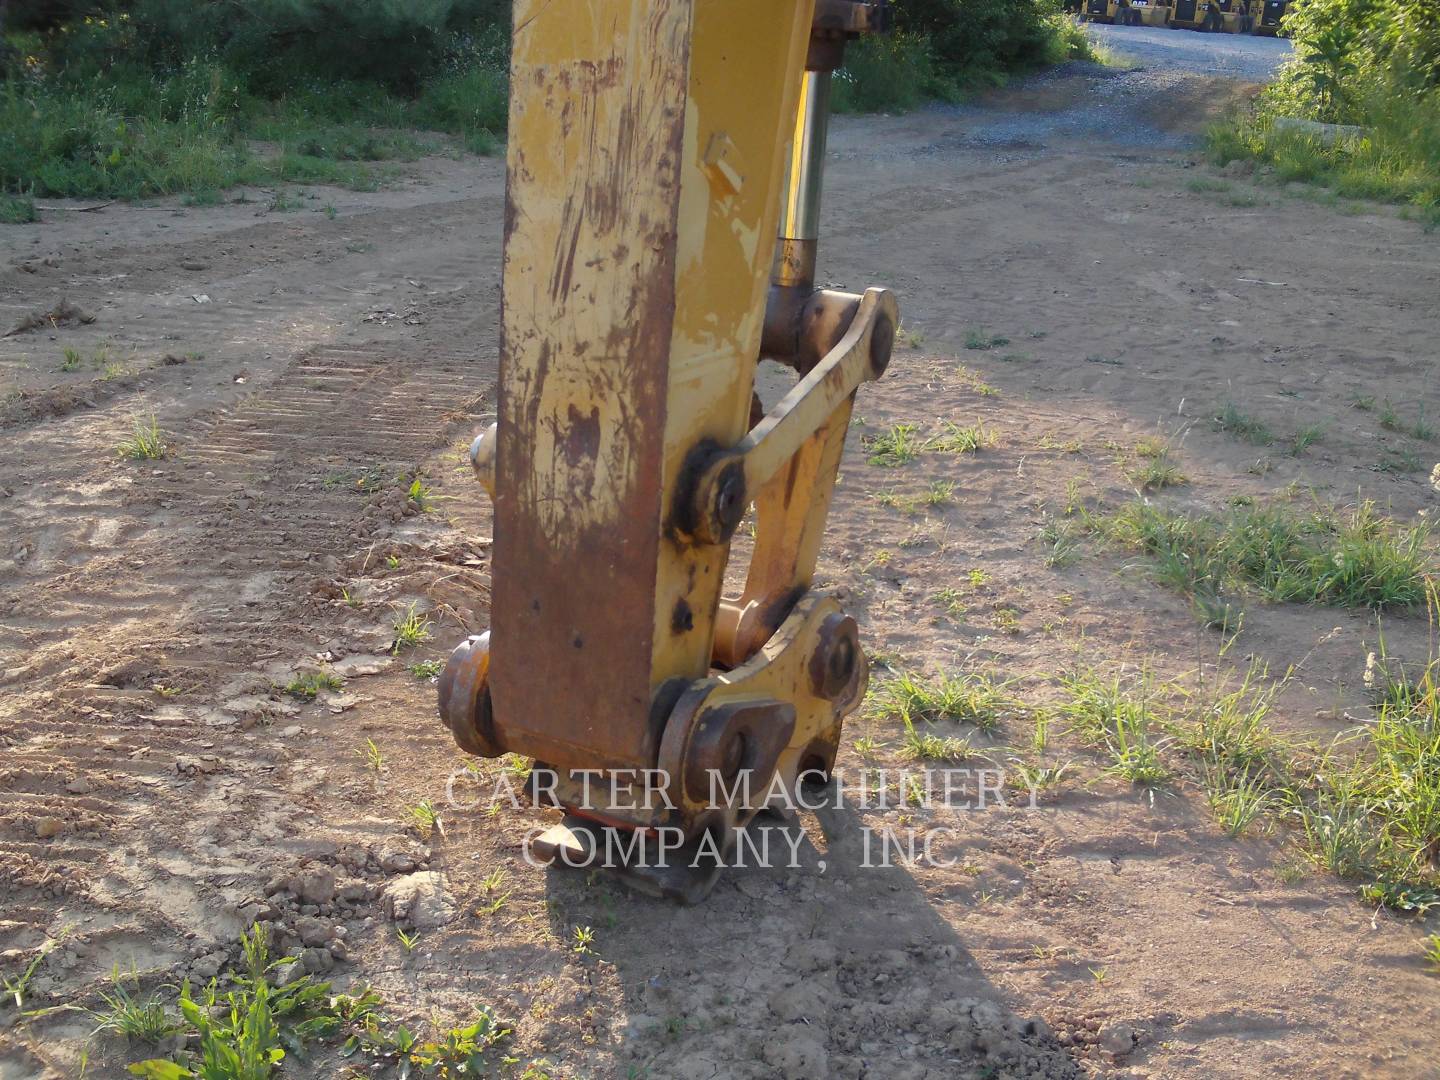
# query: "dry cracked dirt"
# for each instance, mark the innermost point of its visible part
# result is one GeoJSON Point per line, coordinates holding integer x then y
{"type": "Point", "coordinates": [160, 791]}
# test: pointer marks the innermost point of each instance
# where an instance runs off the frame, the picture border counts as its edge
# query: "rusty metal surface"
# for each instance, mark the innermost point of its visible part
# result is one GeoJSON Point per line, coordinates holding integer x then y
{"type": "Point", "coordinates": [464, 697]}
{"type": "Point", "coordinates": [597, 122]}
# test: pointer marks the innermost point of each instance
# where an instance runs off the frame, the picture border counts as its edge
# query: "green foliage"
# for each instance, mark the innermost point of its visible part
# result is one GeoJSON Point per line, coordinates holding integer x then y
{"type": "Point", "coordinates": [163, 96]}
{"type": "Point", "coordinates": [941, 47]}
{"type": "Point", "coordinates": [1345, 49]}
{"type": "Point", "coordinates": [1372, 63]}
{"type": "Point", "coordinates": [16, 210]}
{"type": "Point", "coordinates": [889, 73]}
{"type": "Point", "coordinates": [246, 1034]}
{"type": "Point", "coordinates": [979, 40]}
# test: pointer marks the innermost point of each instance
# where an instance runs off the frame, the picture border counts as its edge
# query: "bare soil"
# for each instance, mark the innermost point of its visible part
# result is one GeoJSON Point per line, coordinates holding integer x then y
{"type": "Point", "coordinates": [155, 785]}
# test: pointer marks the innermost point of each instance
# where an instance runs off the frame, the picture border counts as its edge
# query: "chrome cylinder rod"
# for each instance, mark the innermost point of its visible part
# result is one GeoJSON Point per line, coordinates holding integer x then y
{"type": "Point", "coordinates": [800, 212]}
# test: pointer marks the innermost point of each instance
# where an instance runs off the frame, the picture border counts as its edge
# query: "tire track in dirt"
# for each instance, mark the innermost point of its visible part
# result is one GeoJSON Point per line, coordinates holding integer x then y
{"type": "Point", "coordinates": [130, 632]}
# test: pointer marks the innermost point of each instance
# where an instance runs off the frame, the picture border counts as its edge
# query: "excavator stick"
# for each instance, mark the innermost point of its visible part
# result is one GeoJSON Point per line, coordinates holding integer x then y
{"type": "Point", "coordinates": [661, 225]}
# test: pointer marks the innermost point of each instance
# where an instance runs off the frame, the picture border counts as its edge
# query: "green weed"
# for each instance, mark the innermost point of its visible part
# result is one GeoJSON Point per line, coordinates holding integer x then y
{"type": "Point", "coordinates": [374, 759]}
{"type": "Point", "coordinates": [308, 685]}
{"type": "Point", "coordinates": [899, 445]}
{"type": "Point", "coordinates": [976, 338]}
{"type": "Point", "coordinates": [971, 698]}
{"type": "Point", "coordinates": [1154, 473]}
{"type": "Point", "coordinates": [145, 442]}
{"type": "Point", "coordinates": [962, 440]}
{"type": "Point", "coordinates": [129, 1016]}
{"type": "Point", "coordinates": [245, 1034]}
{"type": "Point", "coordinates": [14, 987]}
{"type": "Point", "coordinates": [426, 818]}
{"type": "Point", "coordinates": [1419, 428]}
{"type": "Point", "coordinates": [1430, 951]}
{"type": "Point", "coordinates": [920, 745]}
{"type": "Point", "coordinates": [411, 628]}
{"type": "Point", "coordinates": [1243, 426]}
{"type": "Point", "coordinates": [1305, 438]}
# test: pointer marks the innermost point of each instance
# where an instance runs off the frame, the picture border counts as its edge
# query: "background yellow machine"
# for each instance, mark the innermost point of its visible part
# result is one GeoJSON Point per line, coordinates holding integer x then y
{"type": "Point", "coordinates": [1267, 15]}
{"type": "Point", "coordinates": [663, 184]}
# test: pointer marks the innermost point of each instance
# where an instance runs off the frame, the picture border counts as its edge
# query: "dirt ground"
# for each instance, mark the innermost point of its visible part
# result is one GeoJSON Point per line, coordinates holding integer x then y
{"type": "Point", "coordinates": [157, 792]}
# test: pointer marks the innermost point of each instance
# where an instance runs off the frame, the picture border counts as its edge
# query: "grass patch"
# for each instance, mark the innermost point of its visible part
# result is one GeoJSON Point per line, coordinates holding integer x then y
{"type": "Point", "coordinates": [199, 128]}
{"type": "Point", "coordinates": [308, 685]}
{"type": "Point", "coordinates": [1243, 426]}
{"type": "Point", "coordinates": [1419, 428]}
{"type": "Point", "coordinates": [962, 440]}
{"type": "Point", "coordinates": [978, 339]}
{"type": "Point", "coordinates": [145, 442]}
{"type": "Point", "coordinates": [130, 1016]}
{"type": "Point", "coordinates": [1116, 715]}
{"type": "Point", "coordinates": [1305, 438]}
{"type": "Point", "coordinates": [920, 745]}
{"type": "Point", "coordinates": [971, 698]}
{"type": "Point", "coordinates": [17, 210]}
{"type": "Point", "coordinates": [1358, 559]}
{"type": "Point", "coordinates": [1152, 473]}
{"type": "Point", "coordinates": [1366, 807]}
{"type": "Point", "coordinates": [899, 445]}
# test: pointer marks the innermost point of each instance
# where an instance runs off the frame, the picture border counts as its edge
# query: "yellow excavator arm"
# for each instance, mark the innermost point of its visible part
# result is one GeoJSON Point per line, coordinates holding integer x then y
{"type": "Point", "coordinates": [663, 183]}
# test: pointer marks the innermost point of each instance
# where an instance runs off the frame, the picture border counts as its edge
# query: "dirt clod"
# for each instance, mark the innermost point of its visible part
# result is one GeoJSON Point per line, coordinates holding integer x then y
{"type": "Point", "coordinates": [420, 900]}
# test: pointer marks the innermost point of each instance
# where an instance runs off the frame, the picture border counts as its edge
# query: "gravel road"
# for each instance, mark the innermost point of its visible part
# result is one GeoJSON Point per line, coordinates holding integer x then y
{"type": "Point", "coordinates": [1237, 56]}
{"type": "Point", "coordinates": [1160, 82]}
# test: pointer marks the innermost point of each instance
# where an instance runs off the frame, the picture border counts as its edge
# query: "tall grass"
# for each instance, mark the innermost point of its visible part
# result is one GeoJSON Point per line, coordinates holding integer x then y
{"type": "Point", "coordinates": [1395, 160]}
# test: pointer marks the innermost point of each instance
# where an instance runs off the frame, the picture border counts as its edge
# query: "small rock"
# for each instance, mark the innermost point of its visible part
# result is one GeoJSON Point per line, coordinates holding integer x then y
{"type": "Point", "coordinates": [317, 961]}
{"type": "Point", "coordinates": [1117, 1039]}
{"type": "Point", "coordinates": [79, 786]}
{"type": "Point", "coordinates": [314, 932]}
{"type": "Point", "coordinates": [256, 911]}
{"type": "Point", "coordinates": [396, 860]}
{"type": "Point", "coordinates": [419, 900]}
{"type": "Point", "coordinates": [361, 664]}
{"type": "Point", "coordinates": [291, 731]}
{"type": "Point", "coordinates": [208, 966]}
{"type": "Point", "coordinates": [316, 885]}
{"type": "Point", "coordinates": [47, 827]}
{"type": "Point", "coordinates": [286, 974]}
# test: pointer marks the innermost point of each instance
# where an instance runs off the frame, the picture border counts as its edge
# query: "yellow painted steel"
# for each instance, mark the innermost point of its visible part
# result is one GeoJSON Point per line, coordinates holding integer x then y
{"type": "Point", "coordinates": [747, 62]}
{"type": "Point", "coordinates": [646, 153]}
